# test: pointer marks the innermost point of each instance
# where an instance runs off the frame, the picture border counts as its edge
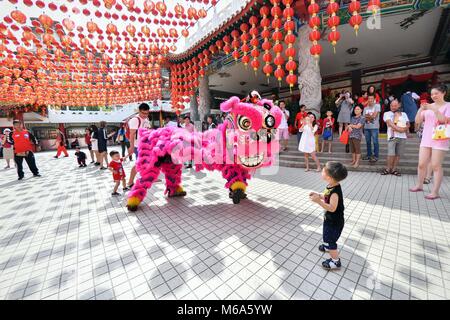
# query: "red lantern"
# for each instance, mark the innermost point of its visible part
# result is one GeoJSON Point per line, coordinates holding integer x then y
{"type": "Point", "coordinates": [226, 47]}
{"type": "Point", "coordinates": [46, 21]}
{"type": "Point", "coordinates": [314, 24]}
{"type": "Point", "coordinates": [277, 36]}
{"type": "Point", "coordinates": [266, 46]}
{"type": "Point", "coordinates": [356, 19]}
{"type": "Point", "coordinates": [290, 38]}
{"type": "Point", "coordinates": [245, 48]}
{"type": "Point", "coordinates": [235, 44]}
{"type": "Point", "coordinates": [333, 22]}
{"type": "Point", "coordinates": [374, 6]}
{"type": "Point", "coordinates": [19, 17]}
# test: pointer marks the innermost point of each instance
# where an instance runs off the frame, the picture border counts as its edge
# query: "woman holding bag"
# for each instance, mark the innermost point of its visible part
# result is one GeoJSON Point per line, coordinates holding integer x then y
{"type": "Point", "coordinates": [432, 150]}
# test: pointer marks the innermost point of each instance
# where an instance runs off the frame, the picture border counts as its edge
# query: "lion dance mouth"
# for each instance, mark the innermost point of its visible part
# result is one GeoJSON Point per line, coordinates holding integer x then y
{"type": "Point", "coordinates": [164, 150]}
{"type": "Point", "coordinates": [251, 162]}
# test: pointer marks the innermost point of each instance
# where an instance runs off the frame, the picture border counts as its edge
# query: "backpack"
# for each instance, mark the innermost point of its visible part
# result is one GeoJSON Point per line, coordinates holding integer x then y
{"type": "Point", "coordinates": [127, 128]}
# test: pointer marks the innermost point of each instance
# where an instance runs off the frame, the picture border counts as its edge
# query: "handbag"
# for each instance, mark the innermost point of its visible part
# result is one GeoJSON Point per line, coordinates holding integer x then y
{"type": "Point", "coordinates": [344, 137]}
{"type": "Point", "coordinates": [441, 132]}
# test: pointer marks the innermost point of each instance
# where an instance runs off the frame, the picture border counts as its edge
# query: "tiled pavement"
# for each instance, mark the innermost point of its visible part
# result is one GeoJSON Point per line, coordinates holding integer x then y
{"type": "Point", "coordinates": [62, 236]}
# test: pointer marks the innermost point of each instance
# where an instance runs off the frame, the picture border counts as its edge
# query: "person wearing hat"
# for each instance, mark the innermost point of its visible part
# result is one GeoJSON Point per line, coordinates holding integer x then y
{"type": "Point", "coordinates": [23, 142]}
{"type": "Point", "coordinates": [8, 152]}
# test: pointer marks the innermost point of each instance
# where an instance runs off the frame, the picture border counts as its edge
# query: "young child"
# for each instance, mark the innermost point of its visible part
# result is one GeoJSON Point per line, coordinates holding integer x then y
{"type": "Point", "coordinates": [333, 202]}
{"type": "Point", "coordinates": [307, 143]}
{"type": "Point", "coordinates": [81, 157]}
{"type": "Point", "coordinates": [327, 134]}
{"type": "Point", "coordinates": [118, 173]}
{"type": "Point", "coordinates": [356, 131]}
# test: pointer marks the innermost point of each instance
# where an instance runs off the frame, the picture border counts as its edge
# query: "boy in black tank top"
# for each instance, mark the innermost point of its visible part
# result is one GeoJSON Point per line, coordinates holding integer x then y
{"type": "Point", "coordinates": [333, 202]}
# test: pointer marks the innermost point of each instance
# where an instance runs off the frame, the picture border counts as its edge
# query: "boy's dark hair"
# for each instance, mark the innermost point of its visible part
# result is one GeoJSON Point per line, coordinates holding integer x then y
{"type": "Point", "coordinates": [281, 101]}
{"type": "Point", "coordinates": [112, 153]}
{"type": "Point", "coordinates": [336, 170]}
{"type": "Point", "coordinates": [144, 107]}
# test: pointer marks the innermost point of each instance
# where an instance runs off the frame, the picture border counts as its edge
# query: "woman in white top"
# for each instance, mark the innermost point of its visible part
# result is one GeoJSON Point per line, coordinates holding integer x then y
{"type": "Point", "coordinates": [307, 143]}
{"type": "Point", "coordinates": [94, 141]}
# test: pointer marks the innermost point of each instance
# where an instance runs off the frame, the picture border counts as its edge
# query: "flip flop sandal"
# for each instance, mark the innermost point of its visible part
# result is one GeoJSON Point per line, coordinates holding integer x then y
{"type": "Point", "coordinates": [385, 172]}
{"type": "Point", "coordinates": [396, 173]}
{"type": "Point", "coordinates": [426, 181]}
{"type": "Point", "coordinates": [415, 189]}
{"type": "Point", "coordinates": [430, 197]}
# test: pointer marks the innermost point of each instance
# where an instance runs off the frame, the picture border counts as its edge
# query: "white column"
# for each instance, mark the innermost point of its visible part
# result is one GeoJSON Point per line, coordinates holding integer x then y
{"type": "Point", "coordinates": [204, 106]}
{"type": "Point", "coordinates": [310, 80]}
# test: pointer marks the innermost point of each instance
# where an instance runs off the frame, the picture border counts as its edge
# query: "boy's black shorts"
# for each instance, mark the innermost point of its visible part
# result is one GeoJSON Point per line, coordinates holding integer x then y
{"type": "Point", "coordinates": [331, 234]}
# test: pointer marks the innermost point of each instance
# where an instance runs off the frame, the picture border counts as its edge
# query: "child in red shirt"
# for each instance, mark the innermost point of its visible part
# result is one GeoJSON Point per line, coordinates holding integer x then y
{"type": "Point", "coordinates": [118, 173]}
{"type": "Point", "coordinates": [327, 130]}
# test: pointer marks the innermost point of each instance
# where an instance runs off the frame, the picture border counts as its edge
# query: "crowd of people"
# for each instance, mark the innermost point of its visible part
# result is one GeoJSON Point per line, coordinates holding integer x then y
{"type": "Point", "coordinates": [357, 117]}
{"type": "Point", "coordinates": [362, 116]}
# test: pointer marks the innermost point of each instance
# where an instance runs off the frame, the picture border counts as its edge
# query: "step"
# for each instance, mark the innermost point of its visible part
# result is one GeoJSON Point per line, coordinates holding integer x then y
{"type": "Point", "coordinates": [364, 167]}
{"type": "Point", "coordinates": [405, 157]}
{"type": "Point", "coordinates": [345, 157]}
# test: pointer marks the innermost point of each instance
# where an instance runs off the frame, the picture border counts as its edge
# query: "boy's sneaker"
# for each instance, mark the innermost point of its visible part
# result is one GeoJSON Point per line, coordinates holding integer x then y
{"type": "Point", "coordinates": [366, 158]}
{"type": "Point", "coordinates": [329, 264]}
{"type": "Point", "coordinates": [323, 248]}
{"type": "Point", "coordinates": [126, 189]}
{"type": "Point", "coordinates": [115, 194]}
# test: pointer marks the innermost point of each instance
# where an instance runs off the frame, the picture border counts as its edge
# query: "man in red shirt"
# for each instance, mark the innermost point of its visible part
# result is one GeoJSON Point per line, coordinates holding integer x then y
{"type": "Point", "coordinates": [299, 121]}
{"type": "Point", "coordinates": [23, 142]}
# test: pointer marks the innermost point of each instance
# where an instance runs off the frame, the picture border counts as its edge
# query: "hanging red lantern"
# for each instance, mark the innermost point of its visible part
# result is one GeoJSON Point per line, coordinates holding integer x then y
{"type": "Point", "coordinates": [46, 21]}
{"type": "Point", "coordinates": [374, 6]}
{"type": "Point", "coordinates": [290, 39]}
{"type": "Point", "coordinates": [18, 16]}
{"type": "Point", "coordinates": [109, 3]}
{"type": "Point", "coordinates": [356, 19]}
{"type": "Point", "coordinates": [227, 47]}
{"type": "Point", "coordinates": [314, 24]}
{"type": "Point", "coordinates": [149, 6]}
{"type": "Point", "coordinates": [333, 22]}
{"type": "Point", "coordinates": [277, 36]}
{"type": "Point", "coordinates": [255, 43]}
{"type": "Point", "coordinates": [266, 46]}
{"type": "Point", "coordinates": [235, 44]}
{"type": "Point", "coordinates": [245, 48]}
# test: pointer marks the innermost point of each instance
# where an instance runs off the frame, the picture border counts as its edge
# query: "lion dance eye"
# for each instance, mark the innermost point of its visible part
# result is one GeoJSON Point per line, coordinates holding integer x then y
{"type": "Point", "coordinates": [270, 121]}
{"type": "Point", "coordinates": [244, 123]}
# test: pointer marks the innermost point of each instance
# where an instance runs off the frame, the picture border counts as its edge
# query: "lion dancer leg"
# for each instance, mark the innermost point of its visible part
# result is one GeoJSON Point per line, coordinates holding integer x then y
{"type": "Point", "coordinates": [172, 174]}
{"type": "Point", "coordinates": [139, 190]}
{"type": "Point", "coordinates": [236, 177]}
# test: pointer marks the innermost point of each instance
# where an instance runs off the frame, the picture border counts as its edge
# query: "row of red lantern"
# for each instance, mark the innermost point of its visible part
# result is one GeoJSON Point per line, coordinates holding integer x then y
{"type": "Point", "coordinates": [333, 21]}
{"type": "Point", "coordinates": [158, 8]}
{"type": "Point", "coordinates": [109, 95]}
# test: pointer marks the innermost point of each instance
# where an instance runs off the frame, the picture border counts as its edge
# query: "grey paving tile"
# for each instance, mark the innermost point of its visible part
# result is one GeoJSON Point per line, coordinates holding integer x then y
{"type": "Point", "coordinates": [82, 245]}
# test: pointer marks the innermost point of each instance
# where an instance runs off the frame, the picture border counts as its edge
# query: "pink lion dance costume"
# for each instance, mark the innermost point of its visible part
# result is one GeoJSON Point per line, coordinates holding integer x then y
{"type": "Point", "coordinates": [245, 142]}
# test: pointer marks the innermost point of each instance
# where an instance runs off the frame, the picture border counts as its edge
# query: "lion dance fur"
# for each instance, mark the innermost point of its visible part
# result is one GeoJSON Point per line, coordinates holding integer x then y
{"type": "Point", "coordinates": [245, 142]}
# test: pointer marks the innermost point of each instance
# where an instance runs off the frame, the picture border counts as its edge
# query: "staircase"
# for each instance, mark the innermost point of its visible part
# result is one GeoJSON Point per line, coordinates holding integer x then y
{"type": "Point", "coordinates": [408, 160]}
